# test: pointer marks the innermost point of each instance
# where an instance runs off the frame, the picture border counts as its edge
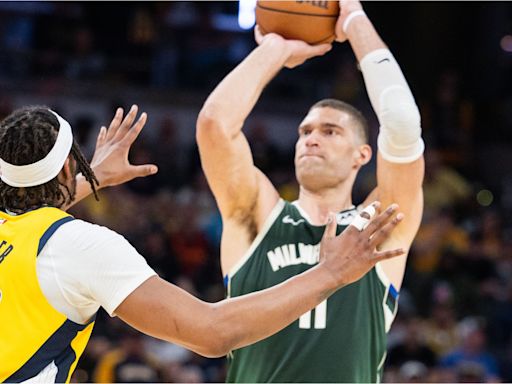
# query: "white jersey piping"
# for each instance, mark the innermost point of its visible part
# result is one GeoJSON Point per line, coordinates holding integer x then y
{"type": "Point", "coordinates": [305, 215]}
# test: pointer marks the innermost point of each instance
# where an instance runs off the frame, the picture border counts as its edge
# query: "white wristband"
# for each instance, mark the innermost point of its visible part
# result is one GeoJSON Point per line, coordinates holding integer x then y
{"type": "Point", "coordinates": [351, 17]}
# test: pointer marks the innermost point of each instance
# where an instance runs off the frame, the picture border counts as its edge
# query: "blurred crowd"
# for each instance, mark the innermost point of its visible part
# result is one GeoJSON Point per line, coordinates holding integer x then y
{"type": "Point", "coordinates": [455, 318]}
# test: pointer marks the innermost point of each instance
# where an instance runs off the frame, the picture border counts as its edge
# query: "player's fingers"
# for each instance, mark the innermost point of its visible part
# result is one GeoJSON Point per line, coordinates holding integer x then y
{"type": "Point", "coordinates": [127, 122]}
{"type": "Point", "coordinates": [102, 135]}
{"type": "Point", "coordinates": [361, 221]}
{"type": "Point", "coordinates": [381, 219]}
{"type": "Point", "coordinates": [134, 132]}
{"type": "Point", "coordinates": [384, 255]}
{"type": "Point", "coordinates": [143, 170]}
{"type": "Point", "coordinates": [114, 124]}
{"type": "Point", "coordinates": [258, 36]}
{"type": "Point", "coordinates": [330, 228]}
{"type": "Point", "coordinates": [383, 233]}
{"type": "Point", "coordinates": [319, 50]}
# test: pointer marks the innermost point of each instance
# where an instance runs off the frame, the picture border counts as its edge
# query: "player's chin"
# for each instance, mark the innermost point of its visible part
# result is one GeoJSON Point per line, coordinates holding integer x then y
{"type": "Point", "coordinates": [310, 175]}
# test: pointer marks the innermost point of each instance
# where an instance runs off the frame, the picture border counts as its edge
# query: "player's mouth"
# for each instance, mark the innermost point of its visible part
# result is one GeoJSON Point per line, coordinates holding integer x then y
{"type": "Point", "coordinates": [311, 155]}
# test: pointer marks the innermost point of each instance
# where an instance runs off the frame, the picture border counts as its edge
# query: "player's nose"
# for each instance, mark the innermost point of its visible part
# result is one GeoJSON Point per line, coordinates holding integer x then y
{"type": "Point", "coordinates": [312, 139]}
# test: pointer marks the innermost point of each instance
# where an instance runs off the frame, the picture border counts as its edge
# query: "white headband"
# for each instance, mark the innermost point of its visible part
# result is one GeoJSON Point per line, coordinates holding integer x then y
{"type": "Point", "coordinates": [45, 169]}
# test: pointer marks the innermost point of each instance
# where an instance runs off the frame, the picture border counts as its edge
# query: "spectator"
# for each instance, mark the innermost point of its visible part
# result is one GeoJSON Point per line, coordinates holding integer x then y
{"type": "Point", "coordinates": [471, 359]}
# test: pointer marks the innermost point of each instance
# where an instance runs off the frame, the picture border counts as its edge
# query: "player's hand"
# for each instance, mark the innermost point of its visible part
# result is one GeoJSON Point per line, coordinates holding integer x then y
{"type": "Point", "coordinates": [110, 160]}
{"type": "Point", "coordinates": [346, 8]}
{"type": "Point", "coordinates": [349, 256]}
{"type": "Point", "coordinates": [298, 51]}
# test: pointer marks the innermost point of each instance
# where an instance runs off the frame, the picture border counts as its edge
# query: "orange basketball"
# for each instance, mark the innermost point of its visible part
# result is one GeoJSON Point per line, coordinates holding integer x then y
{"type": "Point", "coordinates": [310, 21]}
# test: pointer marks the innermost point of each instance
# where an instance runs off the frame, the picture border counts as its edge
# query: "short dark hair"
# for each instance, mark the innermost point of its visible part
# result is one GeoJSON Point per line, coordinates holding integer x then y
{"type": "Point", "coordinates": [361, 123]}
{"type": "Point", "coordinates": [27, 135]}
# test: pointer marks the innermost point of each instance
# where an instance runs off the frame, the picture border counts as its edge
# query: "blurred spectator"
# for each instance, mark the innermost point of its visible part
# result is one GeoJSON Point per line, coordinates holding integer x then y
{"type": "Point", "coordinates": [440, 330]}
{"type": "Point", "coordinates": [85, 62]}
{"type": "Point", "coordinates": [412, 348]}
{"type": "Point", "coordinates": [471, 359]}
{"type": "Point", "coordinates": [413, 372]}
{"type": "Point", "coordinates": [97, 347]}
{"type": "Point", "coordinates": [168, 154]}
{"type": "Point", "coordinates": [452, 118]}
{"type": "Point", "coordinates": [499, 314]}
{"type": "Point", "coordinates": [85, 133]}
{"type": "Point", "coordinates": [488, 234]}
{"type": "Point", "coordinates": [17, 38]}
{"type": "Point", "coordinates": [443, 187]}
{"type": "Point", "coordinates": [437, 236]}
{"type": "Point", "coordinates": [506, 363]}
{"type": "Point", "coordinates": [130, 363]}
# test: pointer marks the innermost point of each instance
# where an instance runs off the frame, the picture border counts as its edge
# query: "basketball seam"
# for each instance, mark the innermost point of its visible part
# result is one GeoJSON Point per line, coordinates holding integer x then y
{"type": "Point", "coordinates": [296, 13]}
{"type": "Point", "coordinates": [320, 41]}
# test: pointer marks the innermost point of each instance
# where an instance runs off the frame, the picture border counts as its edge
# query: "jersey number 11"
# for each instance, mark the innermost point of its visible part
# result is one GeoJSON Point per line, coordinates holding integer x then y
{"type": "Point", "coordinates": [320, 317]}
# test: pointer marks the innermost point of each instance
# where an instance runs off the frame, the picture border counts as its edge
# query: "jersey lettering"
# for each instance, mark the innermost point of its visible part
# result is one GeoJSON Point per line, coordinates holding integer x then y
{"type": "Point", "coordinates": [5, 249]}
{"type": "Point", "coordinates": [286, 255]}
{"type": "Point", "coordinates": [316, 3]}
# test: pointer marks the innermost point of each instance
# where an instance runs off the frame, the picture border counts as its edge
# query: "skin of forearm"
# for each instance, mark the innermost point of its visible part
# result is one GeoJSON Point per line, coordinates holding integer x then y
{"type": "Point", "coordinates": [250, 318]}
{"type": "Point", "coordinates": [83, 189]}
{"type": "Point", "coordinates": [234, 98]}
{"type": "Point", "coordinates": [363, 37]}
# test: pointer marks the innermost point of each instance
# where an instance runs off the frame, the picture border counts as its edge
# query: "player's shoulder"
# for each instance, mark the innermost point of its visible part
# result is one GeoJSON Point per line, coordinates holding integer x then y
{"type": "Point", "coordinates": [83, 234]}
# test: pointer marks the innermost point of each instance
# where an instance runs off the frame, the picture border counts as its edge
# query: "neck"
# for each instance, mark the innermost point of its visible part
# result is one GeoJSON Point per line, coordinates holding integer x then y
{"type": "Point", "coordinates": [21, 211]}
{"type": "Point", "coordinates": [318, 204]}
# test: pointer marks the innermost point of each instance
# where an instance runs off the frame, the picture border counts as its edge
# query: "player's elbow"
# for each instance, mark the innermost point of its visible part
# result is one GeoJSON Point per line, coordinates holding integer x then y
{"type": "Point", "coordinates": [215, 351]}
{"type": "Point", "coordinates": [212, 349]}
{"type": "Point", "coordinates": [225, 333]}
{"type": "Point", "coordinates": [400, 116]}
{"type": "Point", "coordinates": [216, 344]}
{"type": "Point", "coordinates": [216, 332]}
{"type": "Point", "coordinates": [209, 122]}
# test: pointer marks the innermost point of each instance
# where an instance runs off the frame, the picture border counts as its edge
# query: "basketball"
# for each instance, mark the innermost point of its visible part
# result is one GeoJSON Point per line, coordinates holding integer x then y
{"type": "Point", "coordinates": [310, 21]}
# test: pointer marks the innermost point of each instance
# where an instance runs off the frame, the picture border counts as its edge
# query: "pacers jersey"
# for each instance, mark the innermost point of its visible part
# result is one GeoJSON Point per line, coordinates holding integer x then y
{"type": "Point", "coordinates": [343, 339]}
{"type": "Point", "coordinates": [35, 339]}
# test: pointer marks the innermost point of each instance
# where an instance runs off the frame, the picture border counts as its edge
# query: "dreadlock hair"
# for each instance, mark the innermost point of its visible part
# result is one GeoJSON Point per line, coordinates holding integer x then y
{"type": "Point", "coordinates": [26, 136]}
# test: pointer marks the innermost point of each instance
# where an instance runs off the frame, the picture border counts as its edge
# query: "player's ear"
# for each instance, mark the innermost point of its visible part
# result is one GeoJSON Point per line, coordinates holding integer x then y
{"type": "Point", "coordinates": [363, 155]}
{"type": "Point", "coordinates": [67, 169]}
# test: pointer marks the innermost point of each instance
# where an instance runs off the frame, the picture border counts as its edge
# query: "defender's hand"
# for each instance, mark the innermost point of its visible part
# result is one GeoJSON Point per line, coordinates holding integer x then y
{"type": "Point", "coordinates": [353, 253]}
{"type": "Point", "coordinates": [346, 8]}
{"type": "Point", "coordinates": [298, 51]}
{"type": "Point", "coordinates": [110, 160]}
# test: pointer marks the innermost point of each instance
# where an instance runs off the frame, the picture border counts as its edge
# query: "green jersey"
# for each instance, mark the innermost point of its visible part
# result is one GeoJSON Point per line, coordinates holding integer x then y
{"type": "Point", "coordinates": [343, 339]}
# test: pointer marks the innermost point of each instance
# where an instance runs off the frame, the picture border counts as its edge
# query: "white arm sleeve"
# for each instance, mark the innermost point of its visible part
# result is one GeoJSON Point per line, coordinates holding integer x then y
{"type": "Point", "coordinates": [400, 126]}
{"type": "Point", "coordinates": [84, 266]}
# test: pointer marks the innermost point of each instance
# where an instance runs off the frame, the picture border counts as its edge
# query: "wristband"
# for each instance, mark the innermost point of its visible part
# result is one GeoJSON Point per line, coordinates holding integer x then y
{"type": "Point", "coordinates": [351, 17]}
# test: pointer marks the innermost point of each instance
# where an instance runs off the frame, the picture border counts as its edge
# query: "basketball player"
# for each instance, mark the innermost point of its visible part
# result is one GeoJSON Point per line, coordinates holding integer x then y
{"type": "Point", "coordinates": [56, 271]}
{"type": "Point", "coordinates": [266, 240]}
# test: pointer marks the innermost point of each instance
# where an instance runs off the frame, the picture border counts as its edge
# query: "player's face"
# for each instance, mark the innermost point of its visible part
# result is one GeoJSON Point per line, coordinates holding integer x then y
{"type": "Point", "coordinates": [70, 179]}
{"type": "Point", "coordinates": [328, 150]}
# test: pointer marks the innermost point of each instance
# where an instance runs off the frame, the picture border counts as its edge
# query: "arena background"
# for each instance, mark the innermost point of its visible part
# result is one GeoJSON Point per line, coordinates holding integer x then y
{"type": "Point", "coordinates": [85, 59]}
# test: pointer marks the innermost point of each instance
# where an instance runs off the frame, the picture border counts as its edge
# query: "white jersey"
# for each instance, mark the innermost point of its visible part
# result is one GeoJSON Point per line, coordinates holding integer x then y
{"type": "Point", "coordinates": [85, 266]}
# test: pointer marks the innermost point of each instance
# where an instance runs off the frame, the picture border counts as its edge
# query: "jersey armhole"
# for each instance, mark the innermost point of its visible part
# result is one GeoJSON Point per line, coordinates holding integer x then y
{"type": "Point", "coordinates": [276, 211]}
{"type": "Point", "coordinates": [390, 298]}
{"type": "Point", "coordinates": [50, 231]}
